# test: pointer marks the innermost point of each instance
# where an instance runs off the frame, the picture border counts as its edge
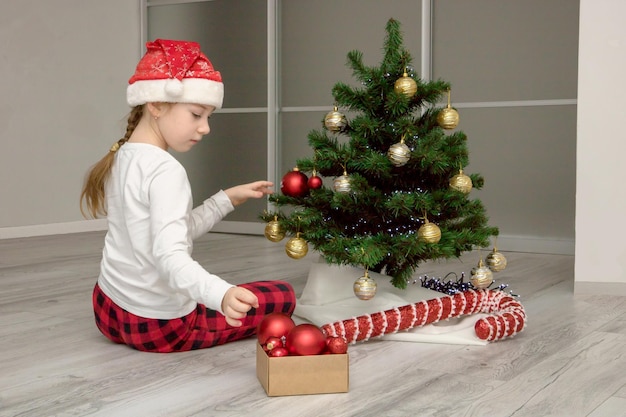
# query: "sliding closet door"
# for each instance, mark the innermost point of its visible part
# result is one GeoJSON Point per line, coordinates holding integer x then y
{"type": "Point", "coordinates": [232, 33]}
{"type": "Point", "coordinates": [513, 69]}
{"type": "Point", "coordinates": [512, 66]}
{"type": "Point", "coordinates": [315, 38]}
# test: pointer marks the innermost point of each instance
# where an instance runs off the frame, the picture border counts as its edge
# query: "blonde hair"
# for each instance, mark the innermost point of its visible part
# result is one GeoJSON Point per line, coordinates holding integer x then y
{"type": "Point", "coordinates": [93, 196]}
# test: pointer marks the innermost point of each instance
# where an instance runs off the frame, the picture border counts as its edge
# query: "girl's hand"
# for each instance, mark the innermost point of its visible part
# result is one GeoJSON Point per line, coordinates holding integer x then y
{"type": "Point", "coordinates": [236, 303]}
{"type": "Point", "coordinates": [241, 193]}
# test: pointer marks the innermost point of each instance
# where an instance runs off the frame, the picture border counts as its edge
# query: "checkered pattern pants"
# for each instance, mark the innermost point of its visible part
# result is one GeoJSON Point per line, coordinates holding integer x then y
{"type": "Point", "coordinates": [202, 328]}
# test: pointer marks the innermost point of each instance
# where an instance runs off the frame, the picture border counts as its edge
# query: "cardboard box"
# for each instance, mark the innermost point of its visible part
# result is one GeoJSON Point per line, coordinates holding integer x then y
{"type": "Point", "coordinates": [297, 375]}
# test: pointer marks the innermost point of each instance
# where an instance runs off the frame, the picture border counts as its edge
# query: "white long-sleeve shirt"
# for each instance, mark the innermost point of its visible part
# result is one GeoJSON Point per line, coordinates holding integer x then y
{"type": "Point", "coordinates": [147, 267]}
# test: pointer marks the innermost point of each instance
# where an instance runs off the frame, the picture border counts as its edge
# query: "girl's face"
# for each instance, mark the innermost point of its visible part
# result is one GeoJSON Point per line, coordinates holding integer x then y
{"type": "Point", "coordinates": [182, 125]}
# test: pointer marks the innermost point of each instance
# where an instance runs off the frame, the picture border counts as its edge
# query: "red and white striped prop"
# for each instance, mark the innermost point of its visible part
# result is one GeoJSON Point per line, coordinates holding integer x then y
{"type": "Point", "coordinates": [507, 316]}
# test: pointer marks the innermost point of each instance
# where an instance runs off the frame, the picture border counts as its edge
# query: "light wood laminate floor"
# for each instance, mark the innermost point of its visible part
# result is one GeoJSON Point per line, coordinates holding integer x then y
{"type": "Point", "coordinates": [570, 361]}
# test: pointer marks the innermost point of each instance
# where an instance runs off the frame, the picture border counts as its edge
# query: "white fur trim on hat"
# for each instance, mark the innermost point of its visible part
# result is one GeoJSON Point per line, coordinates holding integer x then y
{"type": "Point", "coordinates": [187, 90]}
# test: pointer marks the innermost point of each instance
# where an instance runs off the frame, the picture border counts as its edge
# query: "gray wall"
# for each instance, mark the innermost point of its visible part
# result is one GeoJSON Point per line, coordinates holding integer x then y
{"type": "Point", "coordinates": [527, 55]}
{"type": "Point", "coordinates": [509, 59]}
{"type": "Point", "coordinates": [64, 66]}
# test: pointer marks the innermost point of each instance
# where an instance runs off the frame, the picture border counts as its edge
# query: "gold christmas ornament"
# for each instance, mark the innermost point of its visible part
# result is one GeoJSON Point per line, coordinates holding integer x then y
{"type": "Point", "coordinates": [429, 232]}
{"type": "Point", "coordinates": [461, 182]}
{"type": "Point", "coordinates": [296, 247]}
{"type": "Point", "coordinates": [335, 121]}
{"type": "Point", "coordinates": [405, 85]}
{"type": "Point", "coordinates": [273, 231]}
{"type": "Point", "coordinates": [448, 118]}
{"type": "Point", "coordinates": [399, 154]}
{"type": "Point", "coordinates": [482, 277]}
{"type": "Point", "coordinates": [342, 183]}
{"type": "Point", "coordinates": [496, 261]}
{"type": "Point", "coordinates": [365, 287]}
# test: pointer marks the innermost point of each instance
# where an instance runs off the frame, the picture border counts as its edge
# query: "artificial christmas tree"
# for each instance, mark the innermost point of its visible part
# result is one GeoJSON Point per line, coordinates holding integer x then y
{"type": "Point", "coordinates": [400, 196]}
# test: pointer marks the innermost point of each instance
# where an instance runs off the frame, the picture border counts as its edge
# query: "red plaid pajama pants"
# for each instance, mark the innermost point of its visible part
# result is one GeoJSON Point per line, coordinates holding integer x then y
{"type": "Point", "coordinates": [202, 328]}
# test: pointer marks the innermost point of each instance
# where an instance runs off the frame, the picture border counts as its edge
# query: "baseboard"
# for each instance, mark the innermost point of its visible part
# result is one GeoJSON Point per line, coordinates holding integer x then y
{"type": "Point", "coordinates": [246, 228]}
{"type": "Point", "coordinates": [534, 244]}
{"type": "Point", "coordinates": [599, 288]}
{"type": "Point", "coordinates": [505, 243]}
{"type": "Point", "coordinates": [53, 229]}
{"type": "Point", "coordinates": [242, 228]}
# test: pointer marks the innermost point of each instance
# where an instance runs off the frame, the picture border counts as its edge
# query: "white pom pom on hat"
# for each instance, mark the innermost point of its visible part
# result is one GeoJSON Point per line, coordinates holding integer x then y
{"type": "Point", "coordinates": [175, 72]}
{"type": "Point", "coordinates": [174, 88]}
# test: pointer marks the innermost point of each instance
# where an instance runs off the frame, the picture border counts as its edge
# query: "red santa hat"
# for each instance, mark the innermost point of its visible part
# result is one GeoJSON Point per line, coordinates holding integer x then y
{"type": "Point", "coordinates": [175, 72]}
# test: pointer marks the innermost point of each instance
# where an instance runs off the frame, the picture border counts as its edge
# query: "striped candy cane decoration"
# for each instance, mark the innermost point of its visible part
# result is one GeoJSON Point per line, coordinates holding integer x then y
{"type": "Point", "coordinates": [507, 316]}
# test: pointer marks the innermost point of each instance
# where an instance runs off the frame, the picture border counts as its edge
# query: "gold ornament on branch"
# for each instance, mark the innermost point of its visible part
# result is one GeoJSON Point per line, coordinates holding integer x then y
{"type": "Point", "coordinates": [448, 118]}
{"type": "Point", "coordinates": [429, 232]}
{"type": "Point", "coordinates": [496, 261]}
{"type": "Point", "coordinates": [335, 121]}
{"type": "Point", "coordinates": [365, 287]}
{"type": "Point", "coordinates": [342, 184]}
{"type": "Point", "coordinates": [482, 277]}
{"type": "Point", "coordinates": [405, 85]}
{"type": "Point", "coordinates": [296, 247]}
{"type": "Point", "coordinates": [461, 182]}
{"type": "Point", "coordinates": [273, 231]}
{"type": "Point", "coordinates": [399, 154]}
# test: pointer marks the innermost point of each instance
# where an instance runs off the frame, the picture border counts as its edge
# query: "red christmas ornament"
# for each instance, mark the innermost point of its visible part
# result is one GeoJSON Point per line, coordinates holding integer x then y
{"type": "Point", "coordinates": [278, 352]}
{"type": "Point", "coordinates": [294, 183]}
{"type": "Point", "coordinates": [315, 182]}
{"type": "Point", "coordinates": [337, 344]}
{"type": "Point", "coordinates": [274, 325]}
{"type": "Point", "coordinates": [305, 339]}
{"type": "Point", "coordinates": [273, 342]}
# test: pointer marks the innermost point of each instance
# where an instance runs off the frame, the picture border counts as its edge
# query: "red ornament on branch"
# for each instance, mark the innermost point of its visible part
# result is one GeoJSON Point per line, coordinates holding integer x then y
{"type": "Point", "coordinates": [315, 182]}
{"type": "Point", "coordinates": [294, 184]}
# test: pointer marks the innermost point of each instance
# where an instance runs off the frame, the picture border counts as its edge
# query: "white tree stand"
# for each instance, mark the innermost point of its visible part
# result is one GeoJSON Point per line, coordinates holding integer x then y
{"type": "Point", "coordinates": [328, 296]}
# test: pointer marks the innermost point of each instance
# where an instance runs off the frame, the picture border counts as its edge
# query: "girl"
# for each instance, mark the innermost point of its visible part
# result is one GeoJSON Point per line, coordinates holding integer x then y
{"type": "Point", "coordinates": [151, 295]}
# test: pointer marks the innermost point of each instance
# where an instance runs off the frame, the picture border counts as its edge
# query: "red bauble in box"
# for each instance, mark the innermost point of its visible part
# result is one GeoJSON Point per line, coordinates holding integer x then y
{"type": "Point", "coordinates": [273, 342]}
{"type": "Point", "coordinates": [294, 184]}
{"type": "Point", "coordinates": [305, 339]}
{"type": "Point", "coordinates": [278, 352]}
{"type": "Point", "coordinates": [337, 344]}
{"type": "Point", "coordinates": [274, 325]}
